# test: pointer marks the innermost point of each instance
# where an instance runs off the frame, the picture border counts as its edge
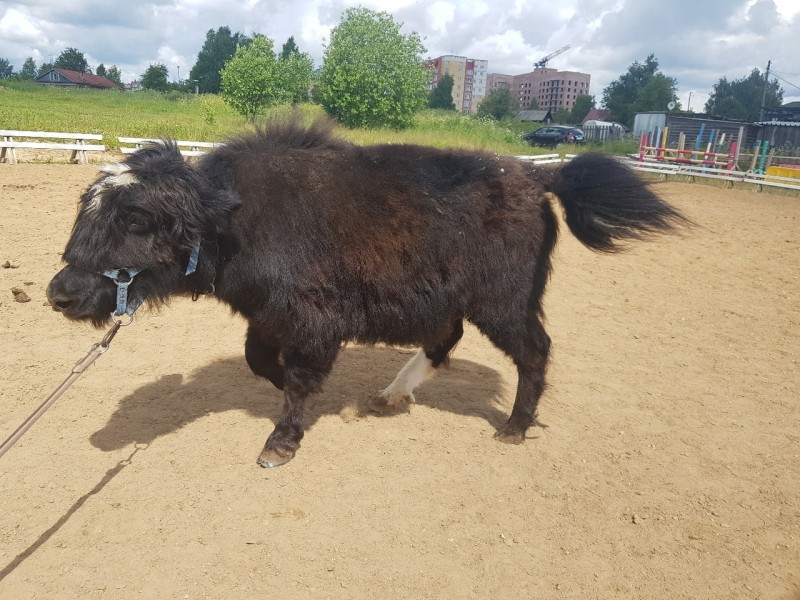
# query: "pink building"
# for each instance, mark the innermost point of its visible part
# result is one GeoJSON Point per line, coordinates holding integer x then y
{"type": "Point", "coordinates": [551, 88]}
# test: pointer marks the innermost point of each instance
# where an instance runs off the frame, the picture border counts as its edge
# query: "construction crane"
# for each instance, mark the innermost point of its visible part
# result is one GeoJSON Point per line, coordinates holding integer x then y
{"type": "Point", "coordinates": [542, 62]}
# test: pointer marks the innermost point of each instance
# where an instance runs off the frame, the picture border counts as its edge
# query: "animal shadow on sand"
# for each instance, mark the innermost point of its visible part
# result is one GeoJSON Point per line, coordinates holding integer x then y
{"type": "Point", "coordinates": [162, 407]}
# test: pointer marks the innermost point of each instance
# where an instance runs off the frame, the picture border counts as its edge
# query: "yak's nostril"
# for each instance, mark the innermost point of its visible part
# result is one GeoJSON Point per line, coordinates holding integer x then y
{"type": "Point", "coordinates": [61, 305]}
{"type": "Point", "coordinates": [58, 302]}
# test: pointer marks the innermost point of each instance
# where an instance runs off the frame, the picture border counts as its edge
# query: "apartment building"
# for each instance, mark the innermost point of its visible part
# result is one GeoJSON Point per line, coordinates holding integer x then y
{"type": "Point", "coordinates": [469, 79]}
{"type": "Point", "coordinates": [552, 89]}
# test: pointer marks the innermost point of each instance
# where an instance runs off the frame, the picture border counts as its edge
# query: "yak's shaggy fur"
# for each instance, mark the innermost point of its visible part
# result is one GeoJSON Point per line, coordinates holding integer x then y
{"type": "Point", "coordinates": [316, 241]}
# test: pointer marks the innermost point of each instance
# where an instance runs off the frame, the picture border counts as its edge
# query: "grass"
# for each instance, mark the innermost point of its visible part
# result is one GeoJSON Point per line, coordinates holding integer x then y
{"type": "Point", "coordinates": [116, 114]}
{"type": "Point", "coordinates": [32, 107]}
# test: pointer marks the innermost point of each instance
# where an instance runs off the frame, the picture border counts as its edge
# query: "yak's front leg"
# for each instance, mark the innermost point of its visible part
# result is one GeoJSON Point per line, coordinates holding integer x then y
{"type": "Point", "coordinates": [303, 373]}
{"type": "Point", "coordinates": [263, 353]}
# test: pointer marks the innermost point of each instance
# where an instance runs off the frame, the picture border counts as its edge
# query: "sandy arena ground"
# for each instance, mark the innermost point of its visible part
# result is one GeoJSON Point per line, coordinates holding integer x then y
{"type": "Point", "coordinates": [670, 467]}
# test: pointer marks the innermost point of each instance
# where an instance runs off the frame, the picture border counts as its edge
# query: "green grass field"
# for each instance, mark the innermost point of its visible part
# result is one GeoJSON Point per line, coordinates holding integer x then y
{"type": "Point", "coordinates": [31, 107]}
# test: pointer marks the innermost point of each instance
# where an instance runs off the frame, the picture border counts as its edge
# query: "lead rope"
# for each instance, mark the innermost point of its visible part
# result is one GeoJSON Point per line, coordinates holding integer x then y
{"type": "Point", "coordinates": [122, 278]}
{"type": "Point", "coordinates": [94, 352]}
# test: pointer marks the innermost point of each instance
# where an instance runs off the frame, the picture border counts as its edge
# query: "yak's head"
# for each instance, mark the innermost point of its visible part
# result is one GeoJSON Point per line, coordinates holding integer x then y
{"type": "Point", "coordinates": [141, 217]}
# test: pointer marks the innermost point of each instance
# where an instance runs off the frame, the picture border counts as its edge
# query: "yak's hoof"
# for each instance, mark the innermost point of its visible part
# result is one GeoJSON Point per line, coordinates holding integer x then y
{"type": "Point", "coordinates": [386, 404]}
{"type": "Point", "coordinates": [508, 435]}
{"type": "Point", "coordinates": [272, 458]}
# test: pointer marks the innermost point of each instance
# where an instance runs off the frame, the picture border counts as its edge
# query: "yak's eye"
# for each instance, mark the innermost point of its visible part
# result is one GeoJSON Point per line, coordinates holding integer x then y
{"type": "Point", "coordinates": [138, 224]}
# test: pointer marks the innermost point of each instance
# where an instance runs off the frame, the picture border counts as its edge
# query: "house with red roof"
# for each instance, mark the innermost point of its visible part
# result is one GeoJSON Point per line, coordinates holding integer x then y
{"type": "Point", "coordinates": [67, 78]}
{"type": "Point", "coordinates": [598, 114]}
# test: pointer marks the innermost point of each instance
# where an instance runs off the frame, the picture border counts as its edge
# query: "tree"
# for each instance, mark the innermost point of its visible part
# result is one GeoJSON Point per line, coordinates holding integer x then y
{"type": "Point", "coordinates": [44, 68]}
{"type": "Point", "coordinates": [442, 95]}
{"type": "Point", "coordinates": [6, 68]}
{"type": "Point", "coordinates": [255, 79]}
{"type": "Point", "coordinates": [218, 49]}
{"type": "Point", "coordinates": [582, 107]}
{"type": "Point", "coordinates": [155, 78]}
{"type": "Point", "coordinates": [28, 69]}
{"type": "Point", "coordinates": [72, 59]}
{"type": "Point", "coordinates": [113, 74]}
{"type": "Point", "coordinates": [563, 116]}
{"type": "Point", "coordinates": [630, 93]}
{"type": "Point", "coordinates": [499, 104]}
{"type": "Point", "coordinates": [289, 48]}
{"type": "Point", "coordinates": [100, 70]}
{"type": "Point", "coordinates": [740, 99]}
{"type": "Point", "coordinates": [295, 72]}
{"type": "Point", "coordinates": [295, 69]}
{"type": "Point", "coordinates": [656, 94]}
{"type": "Point", "coordinates": [372, 75]}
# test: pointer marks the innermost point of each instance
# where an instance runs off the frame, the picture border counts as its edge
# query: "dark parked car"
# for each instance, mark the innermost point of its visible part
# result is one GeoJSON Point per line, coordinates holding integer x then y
{"type": "Point", "coordinates": [553, 135]}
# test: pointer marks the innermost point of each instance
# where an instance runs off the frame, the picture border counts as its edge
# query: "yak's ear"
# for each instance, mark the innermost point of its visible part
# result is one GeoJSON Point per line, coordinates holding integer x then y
{"type": "Point", "coordinates": [221, 206]}
{"type": "Point", "coordinates": [212, 212]}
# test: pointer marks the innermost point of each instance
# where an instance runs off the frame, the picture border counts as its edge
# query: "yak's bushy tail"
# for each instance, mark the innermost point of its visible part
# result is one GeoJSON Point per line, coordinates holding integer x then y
{"type": "Point", "coordinates": [606, 202]}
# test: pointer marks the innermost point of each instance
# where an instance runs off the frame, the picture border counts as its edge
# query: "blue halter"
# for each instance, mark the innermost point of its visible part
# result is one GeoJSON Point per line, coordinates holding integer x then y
{"type": "Point", "coordinates": [124, 277]}
{"type": "Point", "coordinates": [122, 282]}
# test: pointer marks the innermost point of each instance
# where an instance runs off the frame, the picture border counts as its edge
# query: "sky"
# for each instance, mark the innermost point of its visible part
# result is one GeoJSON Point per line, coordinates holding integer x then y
{"type": "Point", "coordinates": [695, 41]}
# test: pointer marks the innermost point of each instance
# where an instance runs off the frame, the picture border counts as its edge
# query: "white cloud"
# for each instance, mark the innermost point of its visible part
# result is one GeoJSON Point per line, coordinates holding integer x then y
{"type": "Point", "coordinates": [441, 15]}
{"type": "Point", "coordinates": [18, 27]}
{"type": "Point", "coordinates": [788, 9]}
{"type": "Point", "coordinates": [695, 42]}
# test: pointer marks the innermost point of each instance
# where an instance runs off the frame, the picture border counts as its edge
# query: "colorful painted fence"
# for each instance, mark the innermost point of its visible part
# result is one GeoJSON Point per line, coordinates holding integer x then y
{"type": "Point", "coordinates": [714, 150]}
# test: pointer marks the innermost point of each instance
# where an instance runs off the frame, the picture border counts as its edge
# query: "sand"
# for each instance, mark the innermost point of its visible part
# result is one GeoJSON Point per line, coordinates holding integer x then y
{"type": "Point", "coordinates": [670, 467]}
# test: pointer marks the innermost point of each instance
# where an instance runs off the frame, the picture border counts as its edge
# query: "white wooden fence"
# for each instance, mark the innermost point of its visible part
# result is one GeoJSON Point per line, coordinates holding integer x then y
{"type": "Point", "coordinates": [546, 159]}
{"type": "Point", "coordinates": [77, 143]}
{"type": "Point", "coordinates": [10, 142]}
{"type": "Point", "coordinates": [665, 169]}
{"type": "Point", "coordinates": [129, 145]}
{"type": "Point", "coordinates": [32, 140]}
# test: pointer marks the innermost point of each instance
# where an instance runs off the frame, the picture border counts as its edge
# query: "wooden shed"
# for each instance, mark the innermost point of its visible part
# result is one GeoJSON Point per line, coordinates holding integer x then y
{"type": "Point", "coordinates": [781, 127]}
{"type": "Point", "coordinates": [535, 116]}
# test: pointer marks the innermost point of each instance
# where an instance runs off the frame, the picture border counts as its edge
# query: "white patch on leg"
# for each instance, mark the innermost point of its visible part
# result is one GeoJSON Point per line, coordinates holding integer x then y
{"type": "Point", "coordinates": [415, 371]}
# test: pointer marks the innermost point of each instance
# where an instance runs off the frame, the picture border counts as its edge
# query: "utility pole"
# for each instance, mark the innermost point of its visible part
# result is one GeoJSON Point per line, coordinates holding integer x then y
{"type": "Point", "coordinates": [764, 93]}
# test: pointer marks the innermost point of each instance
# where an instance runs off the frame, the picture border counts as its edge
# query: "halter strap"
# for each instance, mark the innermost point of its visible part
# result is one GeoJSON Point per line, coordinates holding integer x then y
{"type": "Point", "coordinates": [123, 278]}
{"type": "Point", "coordinates": [193, 257]}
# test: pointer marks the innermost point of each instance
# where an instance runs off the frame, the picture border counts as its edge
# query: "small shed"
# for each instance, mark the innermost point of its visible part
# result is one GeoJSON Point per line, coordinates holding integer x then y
{"type": "Point", "coordinates": [535, 116]}
{"type": "Point", "coordinates": [67, 78]}
{"type": "Point", "coordinates": [781, 126]}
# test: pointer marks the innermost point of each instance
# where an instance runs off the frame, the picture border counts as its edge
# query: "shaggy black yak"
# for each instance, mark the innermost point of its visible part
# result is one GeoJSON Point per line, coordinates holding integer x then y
{"type": "Point", "coordinates": [316, 241]}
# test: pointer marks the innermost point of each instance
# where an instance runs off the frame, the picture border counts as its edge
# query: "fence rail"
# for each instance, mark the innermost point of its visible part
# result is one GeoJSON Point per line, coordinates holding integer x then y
{"type": "Point", "coordinates": [32, 140]}
{"type": "Point", "coordinates": [639, 162]}
{"type": "Point", "coordinates": [545, 159]}
{"type": "Point", "coordinates": [129, 145]}
{"type": "Point", "coordinates": [691, 171]}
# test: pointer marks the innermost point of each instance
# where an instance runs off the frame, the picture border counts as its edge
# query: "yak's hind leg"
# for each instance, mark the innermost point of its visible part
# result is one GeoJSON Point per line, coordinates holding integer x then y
{"type": "Point", "coordinates": [424, 364]}
{"type": "Point", "coordinates": [304, 372]}
{"type": "Point", "coordinates": [528, 345]}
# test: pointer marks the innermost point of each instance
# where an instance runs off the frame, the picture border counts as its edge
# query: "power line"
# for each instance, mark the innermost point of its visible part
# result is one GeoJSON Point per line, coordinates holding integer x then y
{"type": "Point", "coordinates": [785, 81]}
